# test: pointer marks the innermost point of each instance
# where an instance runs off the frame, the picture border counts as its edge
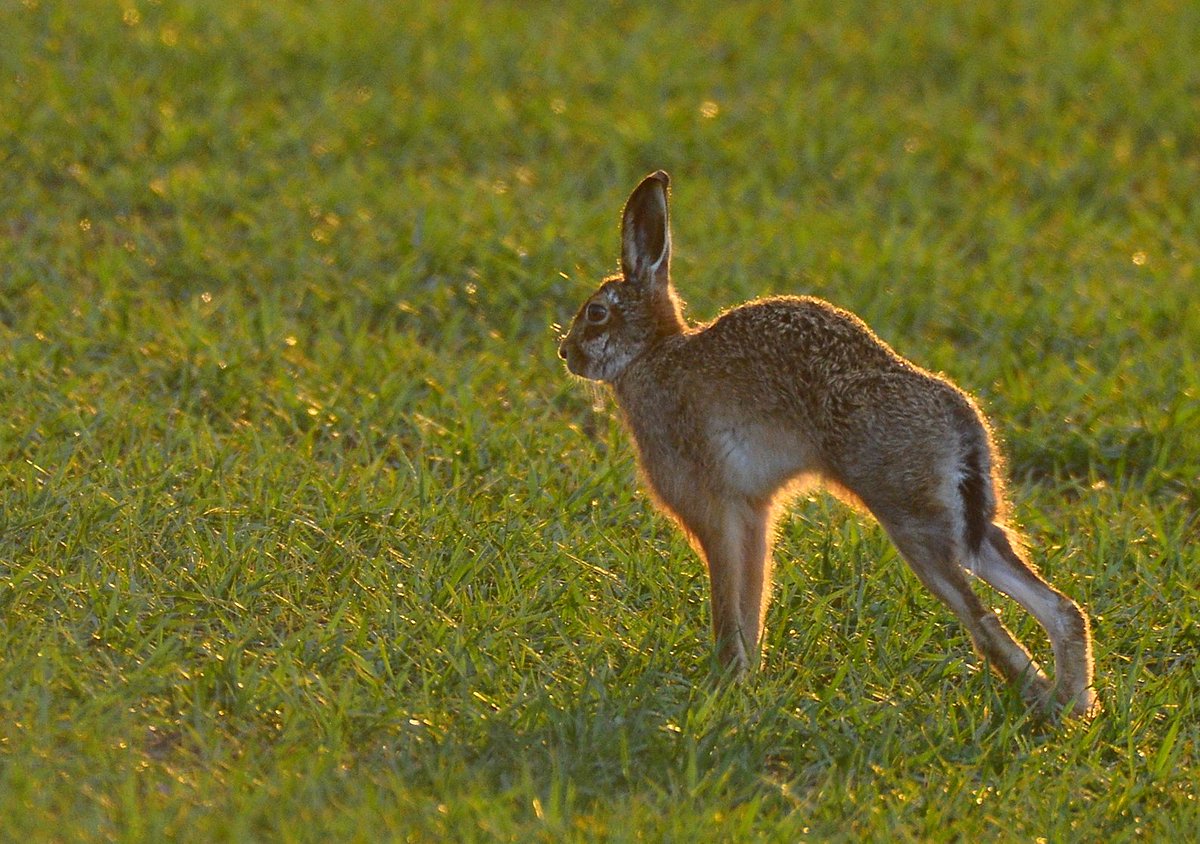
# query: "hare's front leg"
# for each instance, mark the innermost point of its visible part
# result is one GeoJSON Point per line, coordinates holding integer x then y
{"type": "Point", "coordinates": [734, 539]}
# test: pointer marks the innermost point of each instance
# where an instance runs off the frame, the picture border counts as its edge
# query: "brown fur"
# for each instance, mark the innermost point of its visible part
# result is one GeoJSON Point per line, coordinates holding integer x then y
{"type": "Point", "coordinates": [729, 416]}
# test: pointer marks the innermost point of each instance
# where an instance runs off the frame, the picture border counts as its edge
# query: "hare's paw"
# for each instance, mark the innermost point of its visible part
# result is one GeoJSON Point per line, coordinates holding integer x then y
{"type": "Point", "coordinates": [1084, 705]}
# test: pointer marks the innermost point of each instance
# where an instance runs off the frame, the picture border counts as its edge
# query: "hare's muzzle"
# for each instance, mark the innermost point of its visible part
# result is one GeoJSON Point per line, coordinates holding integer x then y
{"type": "Point", "coordinates": [575, 358]}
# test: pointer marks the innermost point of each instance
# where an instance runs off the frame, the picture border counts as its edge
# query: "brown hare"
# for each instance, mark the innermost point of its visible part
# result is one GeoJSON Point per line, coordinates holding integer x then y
{"type": "Point", "coordinates": [728, 416]}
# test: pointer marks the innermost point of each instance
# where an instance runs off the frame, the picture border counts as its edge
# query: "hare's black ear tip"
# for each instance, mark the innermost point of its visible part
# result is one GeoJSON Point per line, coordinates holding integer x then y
{"type": "Point", "coordinates": [661, 176]}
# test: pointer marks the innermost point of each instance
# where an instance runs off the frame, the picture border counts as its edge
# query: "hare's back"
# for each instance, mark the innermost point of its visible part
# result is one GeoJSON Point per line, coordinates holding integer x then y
{"type": "Point", "coordinates": [801, 335]}
{"type": "Point", "coordinates": [807, 358]}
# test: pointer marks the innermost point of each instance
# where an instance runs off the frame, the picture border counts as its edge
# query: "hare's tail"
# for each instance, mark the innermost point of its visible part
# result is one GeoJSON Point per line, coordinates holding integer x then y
{"type": "Point", "coordinates": [977, 490]}
{"type": "Point", "coordinates": [978, 500]}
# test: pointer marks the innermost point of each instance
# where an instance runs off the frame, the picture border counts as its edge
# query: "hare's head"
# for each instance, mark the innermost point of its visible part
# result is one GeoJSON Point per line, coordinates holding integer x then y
{"type": "Point", "coordinates": [633, 311]}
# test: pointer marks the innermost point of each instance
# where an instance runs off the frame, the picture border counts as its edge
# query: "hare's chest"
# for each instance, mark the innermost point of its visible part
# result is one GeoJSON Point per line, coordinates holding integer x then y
{"type": "Point", "coordinates": [757, 459]}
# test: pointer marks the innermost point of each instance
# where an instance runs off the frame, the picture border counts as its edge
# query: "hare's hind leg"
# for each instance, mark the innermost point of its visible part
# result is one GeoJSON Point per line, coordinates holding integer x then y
{"type": "Point", "coordinates": [999, 564]}
{"type": "Point", "coordinates": [931, 553]}
{"type": "Point", "coordinates": [734, 540]}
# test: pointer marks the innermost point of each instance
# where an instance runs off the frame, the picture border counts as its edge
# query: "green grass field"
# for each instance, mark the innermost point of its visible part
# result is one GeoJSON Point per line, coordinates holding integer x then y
{"type": "Point", "coordinates": [306, 535]}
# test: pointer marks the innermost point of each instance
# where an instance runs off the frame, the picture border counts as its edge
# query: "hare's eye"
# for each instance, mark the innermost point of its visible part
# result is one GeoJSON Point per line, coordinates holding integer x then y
{"type": "Point", "coordinates": [596, 313]}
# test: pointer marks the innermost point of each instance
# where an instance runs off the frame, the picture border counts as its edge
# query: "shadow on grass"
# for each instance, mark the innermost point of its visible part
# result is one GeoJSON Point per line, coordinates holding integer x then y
{"type": "Point", "coordinates": [764, 745]}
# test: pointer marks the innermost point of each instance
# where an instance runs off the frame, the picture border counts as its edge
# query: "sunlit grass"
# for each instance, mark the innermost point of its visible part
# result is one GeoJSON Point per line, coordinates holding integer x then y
{"type": "Point", "coordinates": [305, 533]}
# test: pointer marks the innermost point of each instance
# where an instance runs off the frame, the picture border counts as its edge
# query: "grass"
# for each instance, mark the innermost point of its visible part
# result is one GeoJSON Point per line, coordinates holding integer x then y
{"type": "Point", "coordinates": [305, 534]}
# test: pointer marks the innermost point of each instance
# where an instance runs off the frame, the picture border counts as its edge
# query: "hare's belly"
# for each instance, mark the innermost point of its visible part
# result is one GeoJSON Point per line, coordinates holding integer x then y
{"type": "Point", "coordinates": [758, 459]}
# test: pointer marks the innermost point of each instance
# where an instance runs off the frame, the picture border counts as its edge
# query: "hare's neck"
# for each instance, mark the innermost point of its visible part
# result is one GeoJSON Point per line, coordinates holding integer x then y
{"type": "Point", "coordinates": [639, 387]}
{"type": "Point", "coordinates": [668, 314]}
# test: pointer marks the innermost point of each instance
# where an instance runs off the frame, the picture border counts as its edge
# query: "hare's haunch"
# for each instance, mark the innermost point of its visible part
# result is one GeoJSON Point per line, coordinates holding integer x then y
{"type": "Point", "coordinates": [728, 416]}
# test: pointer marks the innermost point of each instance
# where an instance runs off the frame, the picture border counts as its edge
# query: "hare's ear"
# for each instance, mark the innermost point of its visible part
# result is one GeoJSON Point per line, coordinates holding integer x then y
{"type": "Point", "coordinates": [646, 232]}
